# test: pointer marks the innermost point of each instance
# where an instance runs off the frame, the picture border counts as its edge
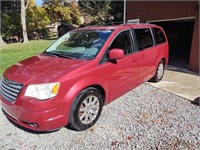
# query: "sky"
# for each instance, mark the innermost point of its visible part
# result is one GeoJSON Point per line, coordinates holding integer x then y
{"type": "Point", "coordinates": [38, 2]}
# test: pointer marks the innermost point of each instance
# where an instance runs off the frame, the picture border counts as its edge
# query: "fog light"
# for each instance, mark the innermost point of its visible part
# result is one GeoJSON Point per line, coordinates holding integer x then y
{"type": "Point", "coordinates": [33, 124]}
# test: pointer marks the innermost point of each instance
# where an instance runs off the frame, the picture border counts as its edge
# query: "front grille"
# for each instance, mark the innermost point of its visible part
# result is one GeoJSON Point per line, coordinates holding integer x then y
{"type": "Point", "coordinates": [10, 89]}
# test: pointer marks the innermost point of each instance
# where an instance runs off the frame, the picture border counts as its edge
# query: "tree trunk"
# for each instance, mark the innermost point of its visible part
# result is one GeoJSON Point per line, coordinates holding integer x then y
{"type": "Point", "coordinates": [2, 43]}
{"type": "Point", "coordinates": [23, 21]}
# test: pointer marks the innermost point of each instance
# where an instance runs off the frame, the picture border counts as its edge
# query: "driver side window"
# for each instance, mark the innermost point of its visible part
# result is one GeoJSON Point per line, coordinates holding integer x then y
{"type": "Point", "coordinates": [123, 41]}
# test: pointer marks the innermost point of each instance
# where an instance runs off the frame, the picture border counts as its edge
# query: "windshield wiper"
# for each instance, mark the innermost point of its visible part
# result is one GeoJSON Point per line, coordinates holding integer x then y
{"type": "Point", "coordinates": [58, 54]}
{"type": "Point", "coordinates": [50, 54]}
{"type": "Point", "coordinates": [66, 56]}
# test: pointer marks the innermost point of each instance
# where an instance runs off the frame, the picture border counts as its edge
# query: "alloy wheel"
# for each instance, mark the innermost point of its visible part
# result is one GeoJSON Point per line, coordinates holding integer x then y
{"type": "Point", "coordinates": [160, 70]}
{"type": "Point", "coordinates": [89, 109]}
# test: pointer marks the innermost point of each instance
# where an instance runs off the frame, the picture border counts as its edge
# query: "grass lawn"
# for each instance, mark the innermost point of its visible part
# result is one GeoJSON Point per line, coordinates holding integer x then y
{"type": "Point", "coordinates": [13, 53]}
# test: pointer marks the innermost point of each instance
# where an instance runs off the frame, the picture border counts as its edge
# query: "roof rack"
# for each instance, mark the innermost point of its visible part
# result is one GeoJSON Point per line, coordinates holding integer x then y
{"type": "Point", "coordinates": [112, 23]}
{"type": "Point", "coordinates": [120, 23]}
{"type": "Point", "coordinates": [124, 23]}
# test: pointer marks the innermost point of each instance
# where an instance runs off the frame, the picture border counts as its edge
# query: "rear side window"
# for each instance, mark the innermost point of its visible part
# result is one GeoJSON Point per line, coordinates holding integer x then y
{"type": "Point", "coordinates": [159, 36]}
{"type": "Point", "coordinates": [144, 38]}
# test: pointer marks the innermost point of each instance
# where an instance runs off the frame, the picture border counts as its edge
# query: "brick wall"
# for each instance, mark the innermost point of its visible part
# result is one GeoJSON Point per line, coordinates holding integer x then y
{"type": "Point", "coordinates": [159, 10]}
{"type": "Point", "coordinates": [194, 55]}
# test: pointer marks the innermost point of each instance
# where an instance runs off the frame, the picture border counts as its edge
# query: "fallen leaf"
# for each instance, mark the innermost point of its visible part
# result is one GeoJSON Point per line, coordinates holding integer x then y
{"type": "Point", "coordinates": [130, 137]}
{"type": "Point", "coordinates": [170, 112]}
{"type": "Point", "coordinates": [155, 120]}
{"type": "Point", "coordinates": [146, 116]}
{"type": "Point", "coordinates": [92, 129]}
{"type": "Point", "coordinates": [122, 142]}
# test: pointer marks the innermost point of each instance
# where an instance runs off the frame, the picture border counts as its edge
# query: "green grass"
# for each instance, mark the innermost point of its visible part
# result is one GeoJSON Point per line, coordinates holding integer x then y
{"type": "Point", "coordinates": [13, 53]}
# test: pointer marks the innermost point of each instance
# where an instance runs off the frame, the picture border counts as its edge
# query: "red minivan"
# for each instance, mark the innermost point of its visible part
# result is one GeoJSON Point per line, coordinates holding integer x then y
{"type": "Point", "coordinates": [82, 71]}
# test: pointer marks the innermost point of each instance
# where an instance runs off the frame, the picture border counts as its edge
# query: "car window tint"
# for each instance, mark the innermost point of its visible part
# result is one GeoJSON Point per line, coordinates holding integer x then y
{"type": "Point", "coordinates": [159, 35]}
{"type": "Point", "coordinates": [144, 38]}
{"type": "Point", "coordinates": [123, 41]}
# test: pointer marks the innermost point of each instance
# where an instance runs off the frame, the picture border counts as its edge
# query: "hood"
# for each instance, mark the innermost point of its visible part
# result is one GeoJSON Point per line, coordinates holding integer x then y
{"type": "Point", "coordinates": [41, 69]}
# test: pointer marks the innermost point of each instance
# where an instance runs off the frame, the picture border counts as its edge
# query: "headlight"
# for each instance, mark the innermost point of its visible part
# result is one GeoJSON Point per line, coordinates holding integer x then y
{"type": "Point", "coordinates": [42, 91]}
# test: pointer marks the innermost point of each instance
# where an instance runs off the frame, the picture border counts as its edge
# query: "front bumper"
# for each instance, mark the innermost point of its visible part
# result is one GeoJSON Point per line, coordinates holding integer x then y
{"type": "Point", "coordinates": [39, 116]}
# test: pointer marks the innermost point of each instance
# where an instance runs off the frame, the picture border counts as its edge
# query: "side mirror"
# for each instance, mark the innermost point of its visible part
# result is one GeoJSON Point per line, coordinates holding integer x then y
{"type": "Point", "coordinates": [116, 53]}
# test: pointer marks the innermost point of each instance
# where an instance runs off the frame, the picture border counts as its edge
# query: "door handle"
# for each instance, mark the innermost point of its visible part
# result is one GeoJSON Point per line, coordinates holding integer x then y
{"type": "Point", "coordinates": [134, 59]}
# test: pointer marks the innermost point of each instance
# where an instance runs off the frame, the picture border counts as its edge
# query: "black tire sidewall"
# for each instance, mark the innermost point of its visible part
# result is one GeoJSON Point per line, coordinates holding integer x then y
{"type": "Point", "coordinates": [155, 77]}
{"type": "Point", "coordinates": [74, 119]}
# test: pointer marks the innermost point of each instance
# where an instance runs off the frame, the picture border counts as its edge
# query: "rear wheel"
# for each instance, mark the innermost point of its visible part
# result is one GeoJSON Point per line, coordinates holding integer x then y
{"type": "Point", "coordinates": [86, 109]}
{"type": "Point", "coordinates": [159, 72]}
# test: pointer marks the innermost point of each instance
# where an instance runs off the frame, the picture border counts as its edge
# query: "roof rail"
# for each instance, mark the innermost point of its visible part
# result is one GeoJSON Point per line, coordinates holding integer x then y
{"type": "Point", "coordinates": [110, 23]}
{"type": "Point", "coordinates": [120, 23]}
{"type": "Point", "coordinates": [106, 24]}
{"type": "Point", "coordinates": [125, 23]}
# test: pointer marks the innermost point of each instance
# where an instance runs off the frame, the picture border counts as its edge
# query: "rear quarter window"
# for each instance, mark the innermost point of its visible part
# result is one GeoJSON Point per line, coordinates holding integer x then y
{"type": "Point", "coordinates": [159, 36]}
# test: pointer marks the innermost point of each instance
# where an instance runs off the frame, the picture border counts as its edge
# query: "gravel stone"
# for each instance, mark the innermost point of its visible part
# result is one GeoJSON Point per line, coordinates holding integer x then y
{"type": "Point", "coordinates": [145, 118]}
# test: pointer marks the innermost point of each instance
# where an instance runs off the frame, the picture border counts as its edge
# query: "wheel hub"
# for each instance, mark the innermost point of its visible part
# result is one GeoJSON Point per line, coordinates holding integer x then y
{"type": "Point", "coordinates": [89, 109]}
{"type": "Point", "coordinates": [160, 71]}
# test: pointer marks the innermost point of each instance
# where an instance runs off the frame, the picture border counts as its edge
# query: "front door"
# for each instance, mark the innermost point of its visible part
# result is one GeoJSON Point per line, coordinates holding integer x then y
{"type": "Point", "coordinates": [122, 74]}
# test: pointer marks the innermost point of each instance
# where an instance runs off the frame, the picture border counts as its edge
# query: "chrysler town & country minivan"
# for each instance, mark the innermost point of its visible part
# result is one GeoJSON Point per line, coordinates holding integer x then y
{"type": "Point", "coordinates": [85, 69]}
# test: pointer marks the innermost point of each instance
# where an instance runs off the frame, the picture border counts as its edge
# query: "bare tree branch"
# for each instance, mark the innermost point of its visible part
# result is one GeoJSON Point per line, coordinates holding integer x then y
{"type": "Point", "coordinates": [27, 4]}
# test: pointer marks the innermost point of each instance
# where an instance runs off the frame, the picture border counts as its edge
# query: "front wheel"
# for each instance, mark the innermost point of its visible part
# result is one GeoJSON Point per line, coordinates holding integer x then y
{"type": "Point", "coordinates": [86, 109]}
{"type": "Point", "coordinates": [159, 72]}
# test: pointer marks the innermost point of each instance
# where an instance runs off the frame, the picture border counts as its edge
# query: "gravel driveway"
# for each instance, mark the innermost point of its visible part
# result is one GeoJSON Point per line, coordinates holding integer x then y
{"type": "Point", "coordinates": [145, 118]}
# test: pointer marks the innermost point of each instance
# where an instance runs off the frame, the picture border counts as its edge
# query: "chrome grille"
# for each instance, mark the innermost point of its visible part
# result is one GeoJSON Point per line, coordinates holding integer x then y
{"type": "Point", "coordinates": [9, 89]}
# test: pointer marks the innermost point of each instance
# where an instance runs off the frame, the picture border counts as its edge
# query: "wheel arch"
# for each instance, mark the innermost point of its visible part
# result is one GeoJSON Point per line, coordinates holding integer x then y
{"type": "Point", "coordinates": [164, 61]}
{"type": "Point", "coordinates": [76, 88]}
{"type": "Point", "coordinates": [101, 90]}
{"type": "Point", "coordinates": [162, 58]}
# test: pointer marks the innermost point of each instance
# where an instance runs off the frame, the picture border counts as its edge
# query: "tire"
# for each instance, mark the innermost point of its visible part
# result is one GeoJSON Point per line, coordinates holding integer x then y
{"type": "Point", "coordinates": [159, 72]}
{"type": "Point", "coordinates": [86, 109]}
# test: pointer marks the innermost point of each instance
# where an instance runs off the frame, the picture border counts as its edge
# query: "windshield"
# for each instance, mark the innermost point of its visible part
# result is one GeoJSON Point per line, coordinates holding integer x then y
{"type": "Point", "coordinates": [79, 44]}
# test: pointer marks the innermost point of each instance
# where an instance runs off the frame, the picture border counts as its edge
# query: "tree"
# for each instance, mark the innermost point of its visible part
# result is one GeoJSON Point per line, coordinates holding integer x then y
{"type": "Point", "coordinates": [37, 20]}
{"type": "Point", "coordinates": [11, 23]}
{"type": "Point", "coordinates": [62, 11]}
{"type": "Point", "coordinates": [23, 20]}
{"type": "Point", "coordinates": [97, 10]}
{"type": "Point", "coordinates": [9, 26]}
{"type": "Point", "coordinates": [2, 43]}
{"type": "Point", "coordinates": [116, 10]}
